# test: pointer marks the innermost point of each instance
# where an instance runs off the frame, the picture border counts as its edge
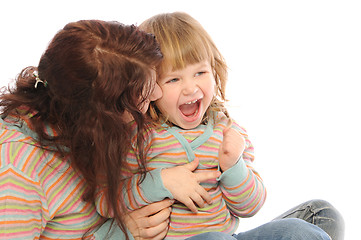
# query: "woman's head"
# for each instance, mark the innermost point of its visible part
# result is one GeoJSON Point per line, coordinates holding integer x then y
{"type": "Point", "coordinates": [98, 75]}
{"type": "Point", "coordinates": [184, 42]}
{"type": "Point", "coordinates": [99, 65]}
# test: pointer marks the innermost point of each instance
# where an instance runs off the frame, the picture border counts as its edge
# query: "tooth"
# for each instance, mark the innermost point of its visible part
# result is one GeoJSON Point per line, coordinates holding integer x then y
{"type": "Point", "coordinates": [192, 102]}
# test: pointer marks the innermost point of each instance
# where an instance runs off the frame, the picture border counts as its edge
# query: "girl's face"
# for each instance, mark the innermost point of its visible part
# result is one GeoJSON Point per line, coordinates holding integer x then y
{"type": "Point", "coordinates": [154, 95]}
{"type": "Point", "coordinates": [187, 93]}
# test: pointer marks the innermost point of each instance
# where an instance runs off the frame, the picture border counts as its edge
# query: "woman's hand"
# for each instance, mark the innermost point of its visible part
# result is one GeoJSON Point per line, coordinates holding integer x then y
{"type": "Point", "coordinates": [149, 222]}
{"type": "Point", "coordinates": [183, 183]}
{"type": "Point", "coordinates": [231, 148]}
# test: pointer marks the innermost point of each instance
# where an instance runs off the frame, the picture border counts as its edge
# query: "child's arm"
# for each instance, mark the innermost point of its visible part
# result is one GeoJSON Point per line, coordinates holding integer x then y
{"type": "Point", "coordinates": [183, 183]}
{"type": "Point", "coordinates": [232, 147]}
{"type": "Point", "coordinates": [242, 187]}
{"type": "Point", "coordinates": [178, 183]}
{"type": "Point", "coordinates": [134, 192]}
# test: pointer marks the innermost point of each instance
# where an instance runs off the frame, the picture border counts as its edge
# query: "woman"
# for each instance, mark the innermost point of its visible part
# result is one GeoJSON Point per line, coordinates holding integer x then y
{"type": "Point", "coordinates": [65, 124]}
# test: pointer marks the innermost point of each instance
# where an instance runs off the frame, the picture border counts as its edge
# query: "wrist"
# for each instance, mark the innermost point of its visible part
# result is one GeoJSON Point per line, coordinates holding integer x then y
{"type": "Point", "coordinates": [234, 175]}
{"type": "Point", "coordinates": [153, 182]}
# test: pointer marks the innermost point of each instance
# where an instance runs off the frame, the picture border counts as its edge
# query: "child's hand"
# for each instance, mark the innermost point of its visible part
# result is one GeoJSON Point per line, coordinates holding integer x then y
{"type": "Point", "coordinates": [184, 184]}
{"type": "Point", "coordinates": [231, 148]}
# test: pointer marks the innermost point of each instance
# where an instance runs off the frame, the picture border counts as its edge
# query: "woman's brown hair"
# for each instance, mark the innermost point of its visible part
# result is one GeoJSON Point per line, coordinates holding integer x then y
{"type": "Point", "coordinates": [95, 71]}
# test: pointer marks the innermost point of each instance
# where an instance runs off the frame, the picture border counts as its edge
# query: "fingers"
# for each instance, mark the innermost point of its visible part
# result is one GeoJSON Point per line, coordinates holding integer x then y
{"type": "Point", "coordinates": [207, 175]}
{"type": "Point", "coordinates": [190, 204]}
{"type": "Point", "coordinates": [150, 222]}
{"type": "Point", "coordinates": [233, 143]}
{"type": "Point", "coordinates": [152, 209]}
{"type": "Point", "coordinates": [232, 135]}
{"type": "Point", "coordinates": [157, 232]}
{"type": "Point", "coordinates": [206, 197]}
{"type": "Point", "coordinates": [225, 131]}
{"type": "Point", "coordinates": [159, 217]}
{"type": "Point", "coordinates": [192, 165]}
{"type": "Point", "coordinates": [199, 197]}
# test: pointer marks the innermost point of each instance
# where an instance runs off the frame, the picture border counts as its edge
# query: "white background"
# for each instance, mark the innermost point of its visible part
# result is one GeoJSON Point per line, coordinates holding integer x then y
{"type": "Point", "coordinates": [294, 83]}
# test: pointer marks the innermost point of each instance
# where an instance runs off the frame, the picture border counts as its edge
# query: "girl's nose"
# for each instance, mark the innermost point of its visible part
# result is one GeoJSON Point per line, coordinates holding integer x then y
{"type": "Point", "coordinates": [189, 87]}
{"type": "Point", "coordinates": [156, 94]}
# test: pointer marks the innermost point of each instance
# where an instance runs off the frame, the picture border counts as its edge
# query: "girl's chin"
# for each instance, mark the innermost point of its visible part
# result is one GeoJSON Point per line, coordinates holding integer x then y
{"type": "Point", "coordinates": [188, 126]}
{"type": "Point", "coordinates": [186, 123]}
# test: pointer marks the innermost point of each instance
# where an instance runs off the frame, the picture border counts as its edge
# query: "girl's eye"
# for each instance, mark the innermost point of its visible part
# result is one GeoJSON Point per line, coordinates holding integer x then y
{"type": "Point", "coordinates": [199, 73]}
{"type": "Point", "coordinates": [172, 80]}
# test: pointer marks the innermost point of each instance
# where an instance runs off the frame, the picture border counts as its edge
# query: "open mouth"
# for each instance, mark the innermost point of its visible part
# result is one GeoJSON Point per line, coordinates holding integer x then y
{"type": "Point", "coordinates": [190, 109]}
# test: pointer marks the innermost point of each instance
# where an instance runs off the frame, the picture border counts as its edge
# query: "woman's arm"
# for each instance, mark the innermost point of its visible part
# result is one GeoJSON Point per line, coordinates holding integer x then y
{"type": "Point", "coordinates": [39, 191]}
{"type": "Point", "coordinates": [149, 222]}
{"type": "Point", "coordinates": [134, 193]}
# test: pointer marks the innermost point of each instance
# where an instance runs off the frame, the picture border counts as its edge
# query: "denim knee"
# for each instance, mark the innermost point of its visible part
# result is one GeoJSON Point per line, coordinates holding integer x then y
{"type": "Point", "coordinates": [320, 213]}
{"type": "Point", "coordinates": [328, 218]}
{"type": "Point", "coordinates": [297, 229]}
{"type": "Point", "coordinates": [212, 236]}
{"type": "Point", "coordinates": [284, 229]}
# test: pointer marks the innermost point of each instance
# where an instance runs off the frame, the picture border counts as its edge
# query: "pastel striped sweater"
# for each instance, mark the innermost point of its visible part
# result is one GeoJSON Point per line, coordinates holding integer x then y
{"type": "Point", "coordinates": [238, 192]}
{"type": "Point", "coordinates": [40, 193]}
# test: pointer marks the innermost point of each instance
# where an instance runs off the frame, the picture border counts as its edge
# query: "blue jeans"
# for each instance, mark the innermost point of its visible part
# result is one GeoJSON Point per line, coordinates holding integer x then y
{"type": "Point", "coordinates": [320, 213]}
{"type": "Point", "coordinates": [316, 219]}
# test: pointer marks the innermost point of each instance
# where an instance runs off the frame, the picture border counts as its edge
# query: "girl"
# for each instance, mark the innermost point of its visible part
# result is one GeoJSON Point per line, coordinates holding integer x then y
{"type": "Point", "coordinates": [191, 121]}
{"type": "Point", "coordinates": [195, 127]}
{"type": "Point", "coordinates": [193, 138]}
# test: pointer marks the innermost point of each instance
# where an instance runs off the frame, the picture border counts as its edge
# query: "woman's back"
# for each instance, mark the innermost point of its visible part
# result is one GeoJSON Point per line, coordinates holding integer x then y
{"type": "Point", "coordinates": [42, 190]}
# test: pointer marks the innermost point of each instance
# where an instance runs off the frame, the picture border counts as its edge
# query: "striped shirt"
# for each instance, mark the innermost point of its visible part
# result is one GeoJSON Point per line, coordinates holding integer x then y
{"type": "Point", "coordinates": [40, 192]}
{"type": "Point", "coordinates": [238, 192]}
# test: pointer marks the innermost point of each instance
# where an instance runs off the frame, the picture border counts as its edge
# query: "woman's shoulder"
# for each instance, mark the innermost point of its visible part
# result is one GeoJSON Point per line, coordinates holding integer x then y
{"type": "Point", "coordinates": [10, 133]}
{"type": "Point", "coordinates": [16, 127]}
{"type": "Point", "coordinates": [22, 152]}
{"type": "Point", "coordinates": [44, 181]}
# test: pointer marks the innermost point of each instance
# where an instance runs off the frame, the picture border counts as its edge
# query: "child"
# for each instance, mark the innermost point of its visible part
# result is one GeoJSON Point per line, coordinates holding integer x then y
{"type": "Point", "coordinates": [194, 128]}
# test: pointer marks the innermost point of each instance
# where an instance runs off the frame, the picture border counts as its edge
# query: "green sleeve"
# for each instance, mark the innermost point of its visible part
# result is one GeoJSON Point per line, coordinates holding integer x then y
{"type": "Point", "coordinates": [111, 231]}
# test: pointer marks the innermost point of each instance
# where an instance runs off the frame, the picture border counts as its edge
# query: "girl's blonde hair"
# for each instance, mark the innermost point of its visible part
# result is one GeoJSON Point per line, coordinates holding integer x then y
{"type": "Point", "coordinates": [184, 41]}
